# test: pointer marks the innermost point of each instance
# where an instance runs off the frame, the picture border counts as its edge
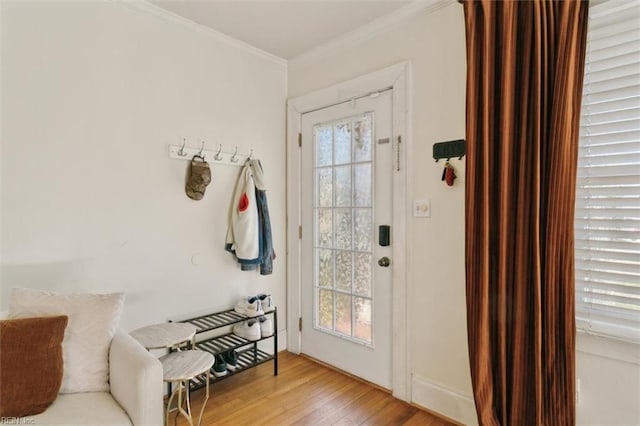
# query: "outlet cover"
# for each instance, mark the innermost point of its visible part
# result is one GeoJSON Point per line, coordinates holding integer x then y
{"type": "Point", "coordinates": [421, 208]}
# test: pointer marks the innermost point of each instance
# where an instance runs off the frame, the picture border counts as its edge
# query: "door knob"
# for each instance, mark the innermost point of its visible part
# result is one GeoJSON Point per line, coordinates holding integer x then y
{"type": "Point", "coordinates": [384, 262]}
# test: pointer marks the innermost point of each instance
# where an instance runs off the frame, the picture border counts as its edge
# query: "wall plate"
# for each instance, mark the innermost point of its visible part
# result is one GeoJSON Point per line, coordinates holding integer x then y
{"type": "Point", "coordinates": [422, 208]}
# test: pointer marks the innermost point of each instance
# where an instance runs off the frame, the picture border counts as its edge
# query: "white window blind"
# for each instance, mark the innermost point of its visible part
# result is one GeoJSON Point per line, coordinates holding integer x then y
{"type": "Point", "coordinates": [607, 221]}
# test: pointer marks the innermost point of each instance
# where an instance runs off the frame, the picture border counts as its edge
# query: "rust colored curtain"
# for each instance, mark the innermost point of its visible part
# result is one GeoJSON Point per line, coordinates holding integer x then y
{"type": "Point", "coordinates": [525, 64]}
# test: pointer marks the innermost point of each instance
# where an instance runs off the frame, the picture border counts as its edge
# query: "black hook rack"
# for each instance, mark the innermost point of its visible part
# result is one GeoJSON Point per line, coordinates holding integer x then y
{"type": "Point", "coordinates": [449, 149]}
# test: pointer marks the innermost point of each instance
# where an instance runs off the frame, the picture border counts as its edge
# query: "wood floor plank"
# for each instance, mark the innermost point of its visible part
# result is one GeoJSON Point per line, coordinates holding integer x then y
{"type": "Point", "coordinates": [335, 410]}
{"type": "Point", "coordinates": [304, 393]}
{"type": "Point", "coordinates": [423, 418]}
{"type": "Point", "coordinates": [395, 412]}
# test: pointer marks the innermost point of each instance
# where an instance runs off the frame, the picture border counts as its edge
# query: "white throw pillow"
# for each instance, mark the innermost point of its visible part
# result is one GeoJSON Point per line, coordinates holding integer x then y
{"type": "Point", "coordinates": [93, 320]}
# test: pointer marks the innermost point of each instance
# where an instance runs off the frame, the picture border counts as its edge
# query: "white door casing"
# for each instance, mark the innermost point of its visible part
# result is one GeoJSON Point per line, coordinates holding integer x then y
{"type": "Point", "coordinates": [396, 77]}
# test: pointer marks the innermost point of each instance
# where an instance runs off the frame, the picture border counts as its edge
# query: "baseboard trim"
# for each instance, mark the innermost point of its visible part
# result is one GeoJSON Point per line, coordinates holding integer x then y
{"type": "Point", "coordinates": [443, 401]}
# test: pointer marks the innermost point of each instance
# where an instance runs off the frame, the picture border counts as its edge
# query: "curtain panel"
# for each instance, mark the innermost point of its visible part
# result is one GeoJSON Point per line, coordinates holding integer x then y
{"type": "Point", "coordinates": [525, 65]}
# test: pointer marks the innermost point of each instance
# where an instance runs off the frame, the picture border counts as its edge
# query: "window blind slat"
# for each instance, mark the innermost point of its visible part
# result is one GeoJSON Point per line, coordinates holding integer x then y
{"type": "Point", "coordinates": [614, 138]}
{"type": "Point", "coordinates": [630, 82]}
{"type": "Point", "coordinates": [613, 53]}
{"type": "Point", "coordinates": [622, 236]}
{"type": "Point", "coordinates": [614, 72]}
{"type": "Point", "coordinates": [598, 191]}
{"type": "Point", "coordinates": [610, 95]}
{"type": "Point", "coordinates": [593, 325]}
{"type": "Point", "coordinates": [587, 170]}
{"type": "Point", "coordinates": [590, 118]}
{"type": "Point", "coordinates": [607, 182]}
{"type": "Point", "coordinates": [625, 219]}
{"type": "Point", "coordinates": [584, 253]}
{"type": "Point", "coordinates": [615, 39]}
{"type": "Point", "coordinates": [610, 105]}
{"type": "Point", "coordinates": [598, 222]}
{"type": "Point", "coordinates": [610, 159]}
{"type": "Point", "coordinates": [611, 63]}
{"type": "Point", "coordinates": [610, 149]}
{"type": "Point", "coordinates": [610, 264]}
{"type": "Point", "coordinates": [610, 13]}
{"type": "Point", "coordinates": [588, 244]}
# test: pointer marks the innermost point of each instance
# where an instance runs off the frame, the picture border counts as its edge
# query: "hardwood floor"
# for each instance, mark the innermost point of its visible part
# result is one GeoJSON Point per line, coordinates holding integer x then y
{"type": "Point", "coordinates": [303, 393]}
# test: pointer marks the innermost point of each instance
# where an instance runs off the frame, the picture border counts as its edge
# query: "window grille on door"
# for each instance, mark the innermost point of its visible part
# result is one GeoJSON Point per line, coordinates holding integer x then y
{"type": "Point", "coordinates": [343, 227]}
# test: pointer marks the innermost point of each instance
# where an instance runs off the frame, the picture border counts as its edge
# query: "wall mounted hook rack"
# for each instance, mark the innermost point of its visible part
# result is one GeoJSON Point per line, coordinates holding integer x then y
{"type": "Point", "coordinates": [449, 149]}
{"type": "Point", "coordinates": [215, 156]}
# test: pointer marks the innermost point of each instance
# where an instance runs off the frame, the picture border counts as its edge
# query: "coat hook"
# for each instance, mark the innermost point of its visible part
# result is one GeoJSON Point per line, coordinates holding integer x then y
{"type": "Point", "coordinates": [181, 151]}
{"type": "Point", "coordinates": [201, 150]}
{"type": "Point", "coordinates": [218, 157]}
{"type": "Point", "coordinates": [233, 158]}
{"type": "Point", "coordinates": [250, 154]}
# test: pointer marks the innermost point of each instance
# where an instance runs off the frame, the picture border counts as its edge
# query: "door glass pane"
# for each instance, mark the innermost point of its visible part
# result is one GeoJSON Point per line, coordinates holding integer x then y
{"type": "Point", "coordinates": [343, 227]}
{"type": "Point", "coordinates": [362, 272]}
{"type": "Point", "coordinates": [362, 326]}
{"type": "Point", "coordinates": [324, 183]}
{"type": "Point", "coordinates": [325, 228]}
{"type": "Point", "coordinates": [325, 309]}
{"type": "Point", "coordinates": [362, 139]}
{"type": "Point", "coordinates": [325, 267]}
{"type": "Point", "coordinates": [362, 185]}
{"type": "Point", "coordinates": [343, 186]}
{"type": "Point", "coordinates": [342, 134]}
{"type": "Point", "coordinates": [323, 136]}
{"type": "Point", "coordinates": [343, 270]}
{"type": "Point", "coordinates": [343, 313]}
{"type": "Point", "coordinates": [363, 227]}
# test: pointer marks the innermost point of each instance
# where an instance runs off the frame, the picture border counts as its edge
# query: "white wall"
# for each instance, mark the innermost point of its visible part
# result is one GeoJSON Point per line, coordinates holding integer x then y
{"type": "Point", "coordinates": [435, 45]}
{"type": "Point", "coordinates": [609, 371]}
{"type": "Point", "coordinates": [93, 93]}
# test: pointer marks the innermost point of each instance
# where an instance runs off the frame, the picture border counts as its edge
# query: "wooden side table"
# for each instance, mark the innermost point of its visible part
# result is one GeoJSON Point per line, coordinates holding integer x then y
{"type": "Point", "coordinates": [181, 367]}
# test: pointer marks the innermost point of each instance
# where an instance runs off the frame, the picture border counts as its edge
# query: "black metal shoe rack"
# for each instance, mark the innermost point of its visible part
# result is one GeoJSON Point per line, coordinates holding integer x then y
{"type": "Point", "coordinates": [248, 353]}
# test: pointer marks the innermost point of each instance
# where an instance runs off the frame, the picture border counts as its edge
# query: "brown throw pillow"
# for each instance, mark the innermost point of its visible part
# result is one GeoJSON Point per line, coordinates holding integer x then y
{"type": "Point", "coordinates": [30, 364]}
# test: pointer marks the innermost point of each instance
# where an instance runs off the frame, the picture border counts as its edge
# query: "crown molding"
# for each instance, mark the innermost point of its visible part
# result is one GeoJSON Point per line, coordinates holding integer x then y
{"type": "Point", "coordinates": [150, 8]}
{"type": "Point", "coordinates": [371, 29]}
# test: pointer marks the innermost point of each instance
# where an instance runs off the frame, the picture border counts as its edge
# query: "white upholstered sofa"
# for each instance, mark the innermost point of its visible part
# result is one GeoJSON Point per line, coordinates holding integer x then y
{"type": "Point", "coordinates": [135, 397]}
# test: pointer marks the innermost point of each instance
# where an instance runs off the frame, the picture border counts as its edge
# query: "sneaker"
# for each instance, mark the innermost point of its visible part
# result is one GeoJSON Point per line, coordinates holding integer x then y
{"type": "Point", "coordinates": [250, 307]}
{"type": "Point", "coordinates": [249, 330]}
{"type": "Point", "coordinates": [266, 326]}
{"type": "Point", "coordinates": [231, 358]}
{"type": "Point", "coordinates": [219, 367]}
{"type": "Point", "coordinates": [267, 302]}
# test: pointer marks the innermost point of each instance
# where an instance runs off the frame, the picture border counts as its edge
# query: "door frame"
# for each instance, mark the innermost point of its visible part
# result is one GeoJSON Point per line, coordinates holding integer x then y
{"type": "Point", "coordinates": [398, 78]}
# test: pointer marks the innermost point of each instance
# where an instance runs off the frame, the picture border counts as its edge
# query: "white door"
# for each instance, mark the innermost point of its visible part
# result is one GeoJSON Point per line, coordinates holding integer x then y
{"type": "Point", "coordinates": [346, 182]}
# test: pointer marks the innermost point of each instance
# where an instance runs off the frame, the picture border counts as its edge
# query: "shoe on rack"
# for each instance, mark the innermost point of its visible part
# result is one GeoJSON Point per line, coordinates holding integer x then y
{"type": "Point", "coordinates": [266, 326]}
{"type": "Point", "coordinates": [231, 358]}
{"type": "Point", "coordinates": [250, 307]}
{"type": "Point", "coordinates": [249, 330]}
{"type": "Point", "coordinates": [267, 302]}
{"type": "Point", "coordinates": [219, 367]}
